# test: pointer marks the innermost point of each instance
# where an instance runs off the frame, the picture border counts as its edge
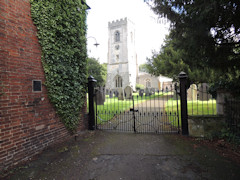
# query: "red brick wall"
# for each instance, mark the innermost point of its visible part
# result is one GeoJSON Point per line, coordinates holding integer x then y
{"type": "Point", "coordinates": [28, 122]}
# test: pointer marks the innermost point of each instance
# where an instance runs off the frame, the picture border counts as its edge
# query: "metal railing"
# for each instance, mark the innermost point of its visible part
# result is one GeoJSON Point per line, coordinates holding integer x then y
{"type": "Point", "coordinates": [232, 114]}
{"type": "Point", "coordinates": [200, 101]}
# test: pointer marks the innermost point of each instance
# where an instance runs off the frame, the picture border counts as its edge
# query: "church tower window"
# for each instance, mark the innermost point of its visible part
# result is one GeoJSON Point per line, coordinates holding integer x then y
{"type": "Point", "coordinates": [118, 81]}
{"type": "Point", "coordinates": [117, 57]}
{"type": "Point", "coordinates": [117, 36]}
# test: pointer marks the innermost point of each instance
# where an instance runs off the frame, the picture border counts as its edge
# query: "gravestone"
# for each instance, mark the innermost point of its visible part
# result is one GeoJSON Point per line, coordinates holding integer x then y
{"type": "Point", "coordinates": [167, 89]}
{"type": "Point", "coordinates": [152, 90]}
{"type": "Point", "coordinates": [110, 94]}
{"type": "Point", "coordinates": [128, 92]}
{"type": "Point", "coordinates": [147, 92]}
{"type": "Point", "coordinates": [203, 92]}
{"type": "Point", "coordinates": [141, 91]}
{"type": "Point", "coordinates": [107, 91]}
{"type": "Point", "coordinates": [192, 93]}
{"type": "Point", "coordinates": [120, 94]}
{"type": "Point", "coordinates": [116, 93]}
{"type": "Point", "coordinates": [100, 96]}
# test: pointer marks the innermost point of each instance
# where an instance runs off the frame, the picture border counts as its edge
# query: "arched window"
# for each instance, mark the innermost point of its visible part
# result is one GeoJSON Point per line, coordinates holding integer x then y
{"type": "Point", "coordinates": [148, 83]}
{"type": "Point", "coordinates": [118, 81]}
{"type": "Point", "coordinates": [117, 36]}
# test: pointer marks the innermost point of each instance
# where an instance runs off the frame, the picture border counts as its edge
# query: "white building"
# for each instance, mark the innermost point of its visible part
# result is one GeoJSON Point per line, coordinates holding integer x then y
{"type": "Point", "coordinates": [122, 68]}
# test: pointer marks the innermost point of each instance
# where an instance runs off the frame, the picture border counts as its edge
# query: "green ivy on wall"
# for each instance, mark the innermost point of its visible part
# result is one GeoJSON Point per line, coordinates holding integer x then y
{"type": "Point", "coordinates": [61, 29]}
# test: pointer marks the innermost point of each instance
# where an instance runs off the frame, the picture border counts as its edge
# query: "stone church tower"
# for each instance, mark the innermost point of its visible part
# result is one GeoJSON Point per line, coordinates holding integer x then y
{"type": "Point", "coordinates": [122, 59]}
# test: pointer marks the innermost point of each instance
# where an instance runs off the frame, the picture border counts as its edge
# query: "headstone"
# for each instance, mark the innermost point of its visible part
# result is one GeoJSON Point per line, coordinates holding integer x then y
{"type": "Point", "coordinates": [152, 90]}
{"type": "Point", "coordinates": [103, 93]}
{"type": "Point", "coordinates": [116, 93]}
{"type": "Point", "coordinates": [167, 89]}
{"type": "Point", "coordinates": [192, 93]}
{"type": "Point", "coordinates": [107, 91]}
{"type": "Point", "coordinates": [141, 91]}
{"type": "Point", "coordinates": [110, 94]}
{"type": "Point", "coordinates": [147, 92]}
{"type": "Point", "coordinates": [128, 92]}
{"type": "Point", "coordinates": [176, 92]}
{"type": "Point", "coordinates": [120, 94]}
{"type": "Point", "coordinates": [100, 96]}
{"type": "Point", "coordinates": [203, 92]}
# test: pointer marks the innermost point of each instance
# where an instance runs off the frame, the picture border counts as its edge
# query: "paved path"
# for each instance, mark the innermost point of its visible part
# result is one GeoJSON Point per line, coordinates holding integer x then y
{"type": "Point", "coordinates": [114, 156]}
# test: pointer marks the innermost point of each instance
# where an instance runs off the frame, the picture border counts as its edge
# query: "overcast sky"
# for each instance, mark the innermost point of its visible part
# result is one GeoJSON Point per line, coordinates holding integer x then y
{"type": "Point", "coordinates": [149, 33]}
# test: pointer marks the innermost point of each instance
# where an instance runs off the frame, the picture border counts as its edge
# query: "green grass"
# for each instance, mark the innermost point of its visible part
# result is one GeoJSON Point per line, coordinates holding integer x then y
{"type": "Point", "coordinates": [194, 107]}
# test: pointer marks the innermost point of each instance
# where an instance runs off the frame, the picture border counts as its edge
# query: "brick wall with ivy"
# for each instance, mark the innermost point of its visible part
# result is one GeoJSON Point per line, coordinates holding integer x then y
{"type": "Point", "coordinates": [28, 120]}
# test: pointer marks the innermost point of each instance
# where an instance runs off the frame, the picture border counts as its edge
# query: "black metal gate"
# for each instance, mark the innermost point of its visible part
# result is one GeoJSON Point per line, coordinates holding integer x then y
{"type": "Point", "coordinates": [150, 111]}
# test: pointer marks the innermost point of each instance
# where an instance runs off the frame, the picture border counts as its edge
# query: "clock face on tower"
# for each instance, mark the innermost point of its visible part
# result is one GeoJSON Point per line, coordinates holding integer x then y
{"type": "Point", "coordinates": [117, 47]}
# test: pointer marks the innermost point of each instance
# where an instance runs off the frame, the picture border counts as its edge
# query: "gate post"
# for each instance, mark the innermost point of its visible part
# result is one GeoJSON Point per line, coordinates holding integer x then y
{"type": "Point", "coordinates": [183, 97]}
{"type": "Point", "coordinates": [91, 120]}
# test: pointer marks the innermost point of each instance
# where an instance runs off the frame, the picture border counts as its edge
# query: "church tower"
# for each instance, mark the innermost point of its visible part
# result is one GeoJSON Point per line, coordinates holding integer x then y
{"type": "Point", "coordinates": [122, 58]}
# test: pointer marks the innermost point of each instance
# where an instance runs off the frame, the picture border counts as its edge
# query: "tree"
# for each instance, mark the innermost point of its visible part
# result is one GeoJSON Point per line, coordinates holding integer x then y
{"type": "Point", "coordinates": [139, 86]}
{"type": "Point", "coordinates": [170, 61]}
{"type": "Point", "coordinates": [207, 33]}
{"type": "Point", "coordinates": [97, 70]}
{"type": "Point", "coordinates": [143, 68]}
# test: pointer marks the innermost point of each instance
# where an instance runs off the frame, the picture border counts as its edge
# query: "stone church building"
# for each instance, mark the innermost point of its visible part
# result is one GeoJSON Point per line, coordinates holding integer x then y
{"type": "Point", "coordinates": [122, 66]}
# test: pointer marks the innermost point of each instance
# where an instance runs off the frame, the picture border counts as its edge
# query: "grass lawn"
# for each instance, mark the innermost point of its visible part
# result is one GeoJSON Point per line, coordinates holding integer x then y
{"type": "Point", "coordinates": [195, 107]}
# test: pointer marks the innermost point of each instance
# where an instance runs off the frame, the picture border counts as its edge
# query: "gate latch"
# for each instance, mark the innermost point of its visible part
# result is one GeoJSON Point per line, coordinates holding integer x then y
{"type": "Point", "coordinates": [135, 110]}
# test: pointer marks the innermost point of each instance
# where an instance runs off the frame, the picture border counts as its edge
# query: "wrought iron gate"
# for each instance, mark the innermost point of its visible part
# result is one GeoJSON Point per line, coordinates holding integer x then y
{"type": "Point", "coordinates": [143, 112]}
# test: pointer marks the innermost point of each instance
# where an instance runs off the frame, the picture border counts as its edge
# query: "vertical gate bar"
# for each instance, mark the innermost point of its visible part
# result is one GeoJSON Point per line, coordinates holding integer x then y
{"type": "Point", "coordinates": [158, 118]}
{"type": "Point", "coordinates": [164, 114]}
{"type": "Point", "coordinates": [146, 108]}
{"type": "Point", "coordinates": [114, 102]}
{"type": "Point", "coordinates": [192, 102]}
{"type": "Point", "coordinates": [126, 125]}
{"type": "Point", "coordinates": [198, 100]}
{"type": "Point", "coordinates": [108, 113]}
{"type": "Point", "coordinates": [167, 102]}
{"type": "Point", "coordinates": [177, 107]}
{"type": "Point", "coordinates": [202, 101]}
{"type": "Point", "coordinates": [108, 102]}
{"type": "Point", "coordinates": [172, 120]}
{"type": "Point", "coordinates": [142, 118]}
{"type": "Point", "coordinates": [134, 128]}
{"type": "Point", "coordinates": [212, 107]}
{"type": "Point", "coordinates": [155, 111]}
{"type": "Point", "coordinates": [172, 96]}
{"type": "Point", "coordinates": [207, 100]}
{"type": "Point", "coordinates": [137, 116]}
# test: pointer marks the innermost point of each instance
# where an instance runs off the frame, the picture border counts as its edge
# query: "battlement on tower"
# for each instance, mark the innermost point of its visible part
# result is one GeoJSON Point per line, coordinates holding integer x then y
{"type": "Point", "coordinates": [120, 22]}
